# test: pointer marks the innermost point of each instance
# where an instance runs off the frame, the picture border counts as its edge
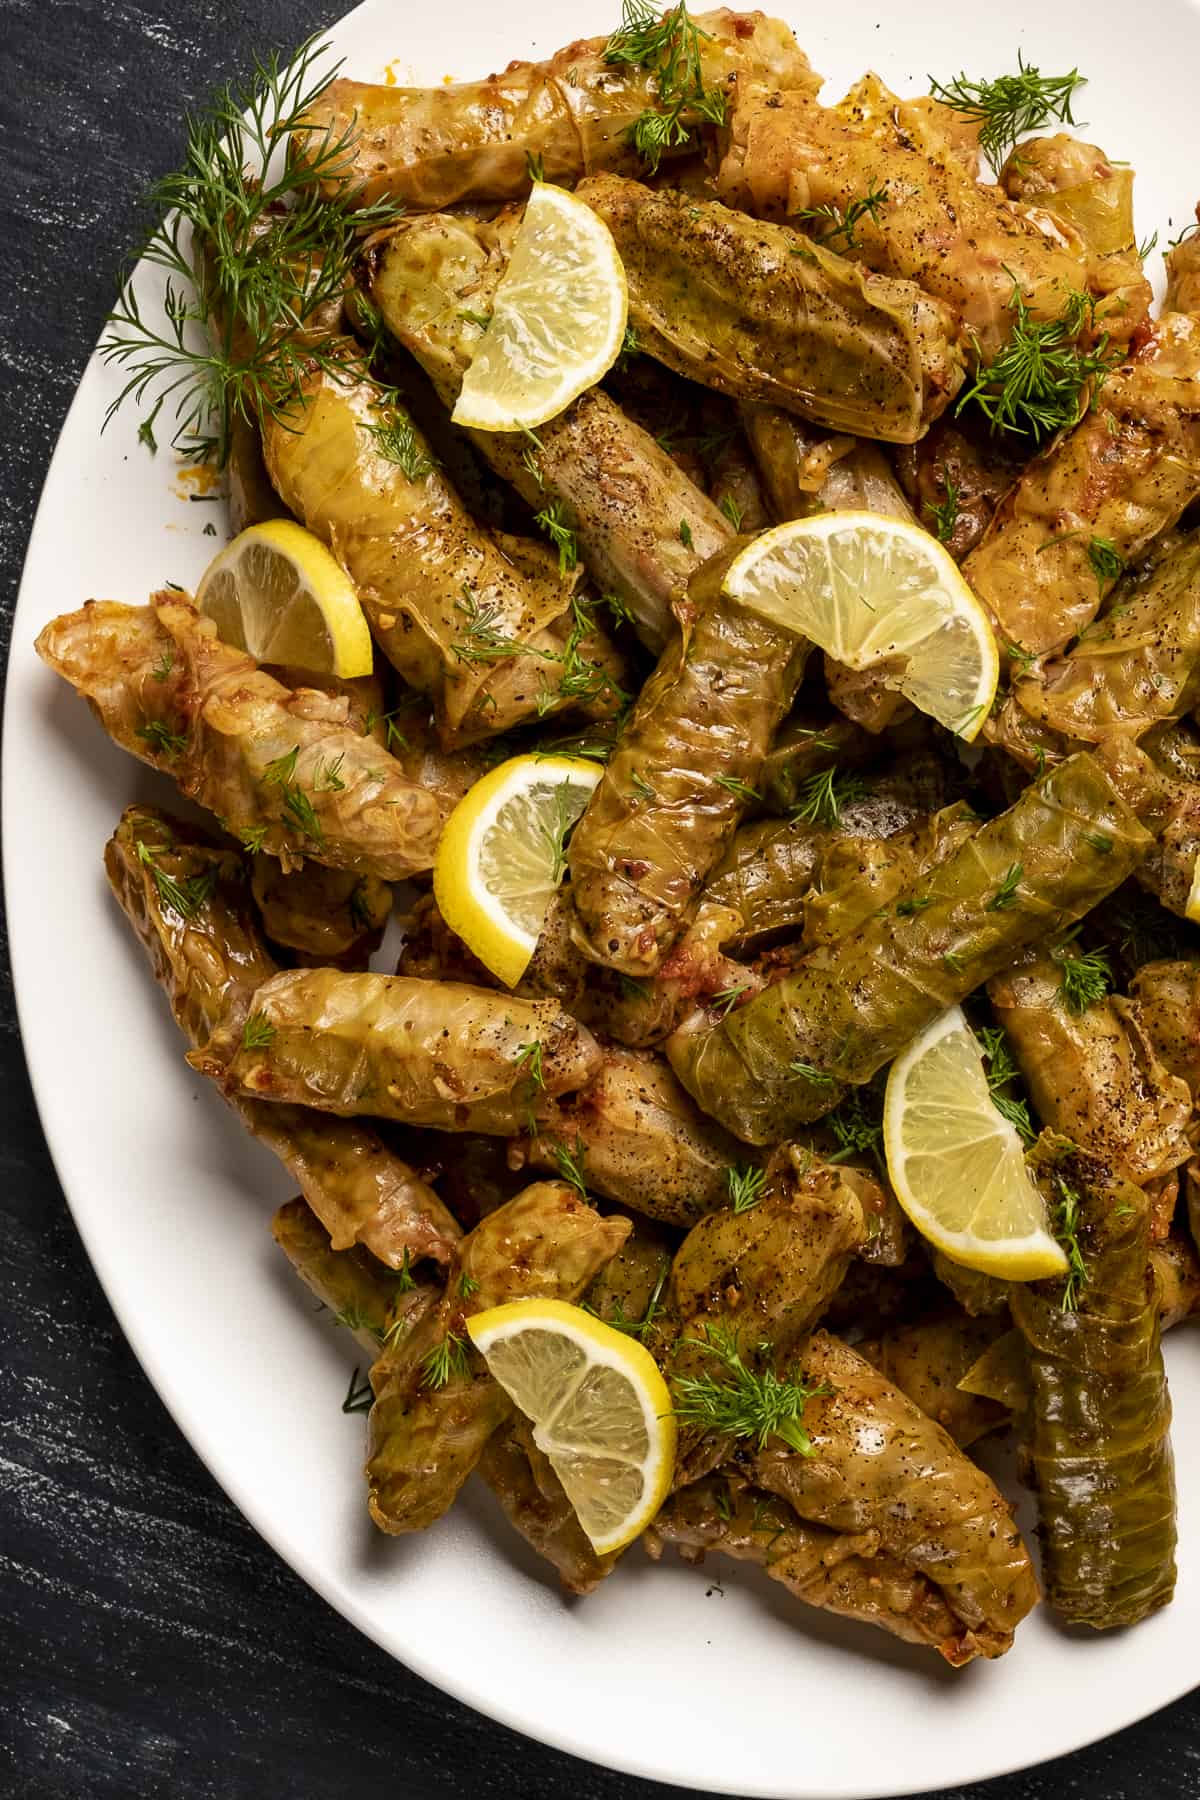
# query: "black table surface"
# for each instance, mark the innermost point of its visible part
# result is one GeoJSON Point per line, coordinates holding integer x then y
{"type": "Point", "coordinates": [150, 1644]}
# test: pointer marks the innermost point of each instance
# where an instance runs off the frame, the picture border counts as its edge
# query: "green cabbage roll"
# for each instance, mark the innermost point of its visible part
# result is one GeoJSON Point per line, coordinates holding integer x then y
{"type": "Point", "coordinates": [436, 1053]}
{"type": "Point", "coordinates": [1166, 996]}
{"type": "Point", "coordinates": [1098, 1428]}
{"type": "Point", "coordinates": [782, 1060]}
{"type": "Point", "coordinates": [323, 916]}
{"type": "Point", "coordinates": [676, 784]}
{"type": "Point", "coordinates": [763, 314]}
{"type": "Point", "coordinates": [374, 1304]}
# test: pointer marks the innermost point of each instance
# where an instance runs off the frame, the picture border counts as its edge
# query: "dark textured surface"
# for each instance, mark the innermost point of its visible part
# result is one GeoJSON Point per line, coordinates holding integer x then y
{"type": "Point", "coordinates": [150, 1645]}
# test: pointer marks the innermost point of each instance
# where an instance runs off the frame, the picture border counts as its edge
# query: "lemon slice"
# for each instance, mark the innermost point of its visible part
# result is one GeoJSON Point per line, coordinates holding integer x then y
{"type": "Point", "coordinates": [957, 1165]}
{"type": "Point", "coordinates": [277, 592]}
{"type": "Point", "coordinates": [501, 856]}
{"type": "Point", "coordinates": [1192, 906]}
{"type": "Point", "coordinates": [601, 1411]}
{"type": "Point", "coordinates": [870, 591]}
{"type": "Point", "coordinates": [558, 318]}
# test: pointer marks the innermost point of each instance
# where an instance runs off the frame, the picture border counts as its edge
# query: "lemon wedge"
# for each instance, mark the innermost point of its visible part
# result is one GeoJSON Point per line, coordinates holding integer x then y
{"type": "Point", "coordinates": [876, 591]}
{"type": "Point", "coordinates": [601, 1411]}
{"type": "Point", "coordinates": [1192, 906]}
{"type": "Point", "coordinates": [558, 318]}
{"type": "Point", "coordinates": [957, 1165]}
{"type": "Point", "coordinates": [502, 855]}
{"type": "Point", "coordinates": [277, 592]}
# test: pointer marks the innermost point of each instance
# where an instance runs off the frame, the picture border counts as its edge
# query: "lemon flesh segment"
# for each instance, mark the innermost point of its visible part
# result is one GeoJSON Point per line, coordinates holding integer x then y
{"type": "Point", "coordinates": [1192, 908]}
{"type": "Point", "coordinates": [601, 1410]}
{"type": "Point", "coordinates": [558, 318]}
{"type": "Point", "coordinates": [876, 591]}
{"type": "Point", "coordinates": [957, 1165]}
{"type": "Point", "coordinates": [279, 594]}
{"type": "Point", "coordinates": [500, 857]}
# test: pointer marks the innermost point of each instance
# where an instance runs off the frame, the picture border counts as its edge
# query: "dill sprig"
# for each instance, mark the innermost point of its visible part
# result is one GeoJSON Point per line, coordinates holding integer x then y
{"type": "Point", "coordinates": [1001, 1073]}
{"type": "Point", "coordinates": [161, 739]}
{"type": "Point", "coordinates": [727, 999]}
{"type": "Point", "coordinates": [1042, 381]}
{"type": "Point", "coordinates": [634, 1327]}
{"type": "Point", "coordinates": [1005, 896]}
{"type": "Point", "coordinates": [746, 1187]}
{"type": "Point", "coordinates": [258, 1032]}
{"type": "Point", "coordinates": [482, 641]}
{"type": "Point", "coordinates": [857, 1125]}
{"type": "Point", "coordinates": [740, 1402]}
{"type": "Point", "coordinates": [182, 897]}
{"type": "Point", "coordinates": [1107, 562]}
{"type": "Point", "coordinates": [446, 1362]}
{"type": "Point", "coordinates": [467, 1286]}
{"type": "Point", "coordinates": [945, 513]}
{"type": "Point", "coordinates": [555, 522]}
{"type": "Point", "coordinates": [252, 247]}
{"type": "Point", "coordinates": [295, 805]}
{"type": "Point", "coordinates": [1082, 980]}
{"type": "Point", "coordinates": [822, 796]}
{"type": "Point", "coordinates": [570, 1163]}
{"type": "Point", "coordinates": [834, 222]}
{"type": "Point", "coordinates": [732, 511]}
{"type": "Point", "coordinates": [741, 790]}
{"type": "Point", "coordinates": [806, 1071]}
{"type": "Point", "coordinates": [395, 438]}
{"type": "Point", "coordinates": [529, 1058]}
{"type": "Point", "coordinates": [669, 47]}
{"type": "Point", "coordinates": [1066, 1230]}
{"type": "Point", "coordinates": [1011, 105]}
{"type": "Point", "coordinates": [557, 830]}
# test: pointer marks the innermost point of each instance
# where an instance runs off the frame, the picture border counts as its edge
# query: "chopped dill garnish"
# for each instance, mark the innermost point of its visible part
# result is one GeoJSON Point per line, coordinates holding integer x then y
{"type": "Point", "coordinates": [741, 790]}
{"type": "Point", "coordinates": [446, 1362]}
{"type": "Point", "coordinates": [1002, 1072]}
{"type": "Point", "coordinates": [161, 739]}
{"type": "Point", "coordinates": [837, 224]}
{"type": "Point", "coordinates": [1042, 381]}
{"type": "Point", "coordinates": [467, 1285]}
{"type": "Point", "coordinates": [182, 897]}
{"type": "Point", "coordinates": [258, 1032]}
{"type": "Point", "coordinates": [1107, 562]}
{"type": "Point", "coordinates": [397, 442]}
{"type": "Point", "coordinates": [1082, 979]}
{"type": "Point", "coordinates": [1067, 1232]}
{"type": "Point", "coordinates": [670, 48]}
{"type": "Point", "coordinates": [732, 511]}
{"type": "Point", "coordinates": [823, 795]}
{"type": "Point", "coordinates": [165, 664]}
{"type": "Point", "coordinates": [1005, 895]}
{"type": "Point", "coordinates": [553, 520]}
{"type": "Point", "coordinates": [945, 513]}
{"type": "Point", "coordinates": [569, 1164]}
{"type": "Point", "coordinates": [727, 999]}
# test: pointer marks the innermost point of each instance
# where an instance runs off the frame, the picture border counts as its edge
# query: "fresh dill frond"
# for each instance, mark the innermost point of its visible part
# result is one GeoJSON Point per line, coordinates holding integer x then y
{"type": "Point", "coordinates": [535, 167]}
{"type": "Point", "coordinates": [467, 1286]}
{"type": "Point", "coordinates": [1066, 1230]}
{"type": "Point", "coordinates": [740, 1402]}
{"type": "Point", "coordinates": [393, 737]}
{"type": "Point", "coordinates": [1188, 231]}
{"type": "Point", "coordinates": [1147, 245]}
{"type": "Point", "coordinates": [446, 1362]}
{"type": "Point", "coordinates": [554, 520]}
{"type": "Point", "coordinates": [483, 320]}
{"type": "Point", "coordinates": [638, 1328]}
{"type": "Point", "coordinates": [822, 796]}
{"type": "Point", "coordinates": [732, 511]}
{"type": "Point", "coordinates": [1042, 381]}
{"type": "Point", "coordinates": [741, 790]}
{"type": "Point", "coordinates": [669, 47]}
{"type": "Point", "coordinates": [570, 1164]}
{"type": "Point", "coordinates": [835, 223]}
{"type": "Point", "coordinates": [556, 832]}
{"type": "Point", "coordinates": [482, 641]}
{"type": "Point", "coordinates": [327, 778]}
{"type": "Point", "coordinates": [857, 1125]}
{"type": "Point", "coordinates": [360, 1396]}
{"type": "Point", "coordinates": [395, 438]}
{"type": "Point", "coordinates": [727, 999]}
{"type": "Point", "coordinates": [806, 1071]}
{"type": "Point", "coordinates": [529, 1058]}
{"type": "Point", "coordinates": [182, 897]}
{"type": "Point", "coordinates": [685, 535]}
{"type": "Point", "coordinates": [1096, 840]}
{"type": "Point", "coordinates": [916, 903]}
{"type": "Point", "coordinates": [405, 1279]}
{"type": "Point", "coordinates": [253, 837]}
{"type": "Point", "coordinates": [1002, 1072]}
{"type": "Point", "coordinates": [145, 431]}
{"type": "Point", "coordinates": [166, 662]}
{"type": "Point", "coordinates": [746, 1186]}
{"type": "Point", "coordinates": [1010, 106]}
{"type": "Point", "coordinates": [258, 1032]}
{"type": "Point", "coordinates": [1005, 896]}
{"type": "Point", "coordinates": [618, 607]}
{"type": "Point", "coordinates": [1082, 979]}
{"type": "Point", "coordinates": [1107, 562]}
{"type": "Point", "coordinates": [253, 242]}
{"type": "Point", "coordinates": [641, 787]}
{"type": "Point", "coordinates": [161, 739]}
{"type": "Point", "coordinates": [945, 513]}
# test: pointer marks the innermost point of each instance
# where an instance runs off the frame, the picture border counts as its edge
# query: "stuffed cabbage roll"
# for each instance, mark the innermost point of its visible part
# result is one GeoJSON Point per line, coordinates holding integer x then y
{"type": "Point", "coordinates": [283, 770]}
{"type": "Point", "coordinates": [839, 1573]}
{"type": "Point", "coordinates": [843, 1012]}
{"type": "Point", "coordinates": [189, 905]}
{"type": "Point", "coordinates": [641, 526]}
{"type": "Point", "coordinates": [1091, 1072]}
{"type": "Point", "coordinates": [436, 1406]}
{"type": "Point", "coordinates": [932, 221]}
{"type": "Point", "coordinates": [477, 619]}
{"type": "Point", "coordinates": [1098, 1427]}
{"type": "Point", "coordinates": [1166, 997]}
{"type": "Point", "coordinates": [375, 1304]}
{"type": "Point", "coordinates": [675, 787]}
{"type": "Point", "coordinates": [916, 1493]}
{"type": "Point", "coordinates": [762, 313]}
{"type": "Point", "coordinates": [323, 916]}
{"type": "Point", "coordinates": [926, 1361]}
{"type": "Point", "coordinates": [435, 1053]}
{"type": "Point", "coordinates": [434, 147]}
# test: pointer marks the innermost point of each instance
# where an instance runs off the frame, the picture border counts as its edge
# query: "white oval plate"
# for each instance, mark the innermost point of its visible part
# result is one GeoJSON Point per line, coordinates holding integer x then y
{"type": "Point", "coordinates": [659, 1673]}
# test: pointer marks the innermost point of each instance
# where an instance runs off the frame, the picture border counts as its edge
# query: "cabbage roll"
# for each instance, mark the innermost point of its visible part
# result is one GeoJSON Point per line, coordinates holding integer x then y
{"type": "Point", "coordinates": [284, 771]}
{"type": "Point", "coordinates": [1166, 997]}
{"type": "Point", "coordinates": [323, 916]}
{"type": "Point", "coordinates": [781, 1060]}
{"type": "Point", "coordinates": [762, 313]}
